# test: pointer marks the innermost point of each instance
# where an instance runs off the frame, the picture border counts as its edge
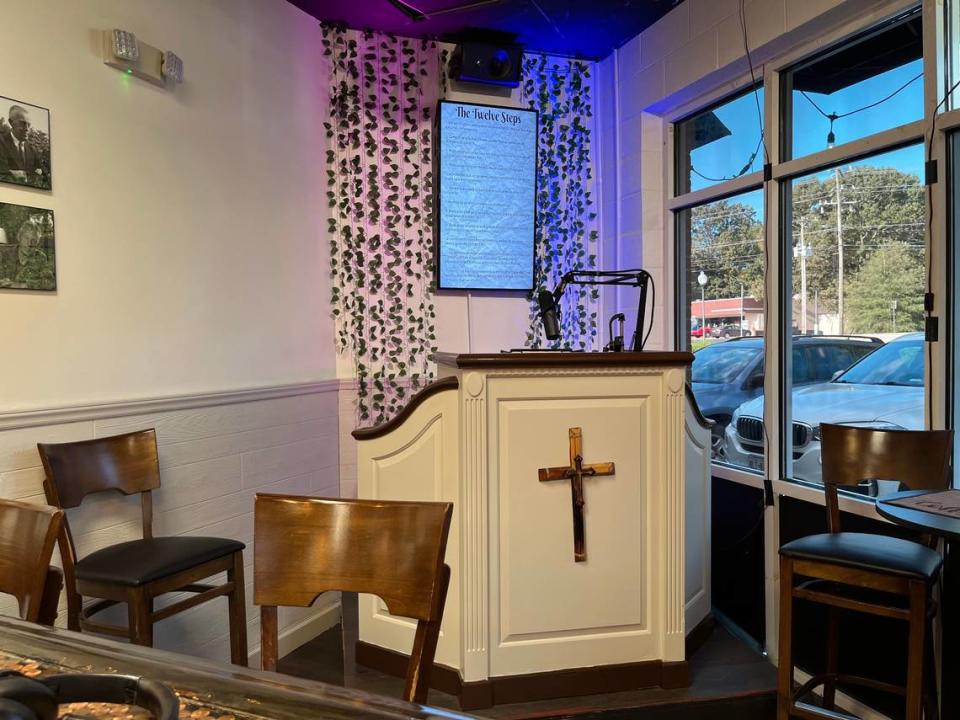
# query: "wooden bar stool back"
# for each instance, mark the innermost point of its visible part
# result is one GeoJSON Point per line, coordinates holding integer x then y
{"type": "Point", "coordinates": [307, 546]}
{"type": "Point", "coordinates": [138, 571]}
{"type": "Point", "coordinates": [899, 573]}
{"type": "Point", "coordinates": [28, 534]}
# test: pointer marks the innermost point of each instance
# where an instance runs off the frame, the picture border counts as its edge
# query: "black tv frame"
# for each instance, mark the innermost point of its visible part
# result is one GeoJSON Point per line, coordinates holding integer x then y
{"type": "Point", "coordinates": [437, 175]}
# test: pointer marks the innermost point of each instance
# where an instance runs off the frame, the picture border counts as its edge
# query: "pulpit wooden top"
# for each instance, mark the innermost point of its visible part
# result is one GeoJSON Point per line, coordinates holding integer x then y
{"type": "Point", "coordinates": [494, 361]}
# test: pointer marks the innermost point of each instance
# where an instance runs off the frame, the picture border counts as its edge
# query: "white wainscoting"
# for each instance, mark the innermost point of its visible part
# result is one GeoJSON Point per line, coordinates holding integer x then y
{"type": "Point", "coordinates": [216, 452]}
{"type": "Point", "coordinates": [348, 446]}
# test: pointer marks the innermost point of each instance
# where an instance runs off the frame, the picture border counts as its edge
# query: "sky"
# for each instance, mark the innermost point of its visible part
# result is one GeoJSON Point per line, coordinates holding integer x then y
{"type": "Point", "coordinates": [724, 158]}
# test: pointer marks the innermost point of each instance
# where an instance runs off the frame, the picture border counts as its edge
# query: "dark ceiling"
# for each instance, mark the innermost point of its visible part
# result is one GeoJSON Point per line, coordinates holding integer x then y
{"type": "Point", "coordinates": [578, 28]}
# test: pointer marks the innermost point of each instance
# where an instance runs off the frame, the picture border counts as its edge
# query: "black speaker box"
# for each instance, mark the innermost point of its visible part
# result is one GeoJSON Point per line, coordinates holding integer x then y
{"type": "Point", "coordinates": [485, 63]}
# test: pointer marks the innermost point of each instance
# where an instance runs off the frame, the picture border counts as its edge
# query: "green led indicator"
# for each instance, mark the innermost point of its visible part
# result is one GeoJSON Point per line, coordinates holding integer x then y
{"type": "Point", "coordinates": [129, 71]}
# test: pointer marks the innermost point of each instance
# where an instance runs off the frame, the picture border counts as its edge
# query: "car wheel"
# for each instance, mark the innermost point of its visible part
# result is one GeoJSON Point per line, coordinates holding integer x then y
{"type": "Point", "coordinates": [718, 442]}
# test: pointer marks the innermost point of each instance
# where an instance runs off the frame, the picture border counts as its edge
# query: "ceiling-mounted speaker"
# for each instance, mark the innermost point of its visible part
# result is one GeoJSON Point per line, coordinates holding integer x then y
{"type": "Point", "coordinates": [478, 62]}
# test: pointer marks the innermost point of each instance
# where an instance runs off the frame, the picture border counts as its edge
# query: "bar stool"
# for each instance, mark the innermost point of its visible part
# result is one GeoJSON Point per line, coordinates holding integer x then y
{"type": "Point", "coordinates": [138, 571]}
{"type": "Point", "coordinates": [28, 534]}
{"type": "Point", "coordinates": [305, 546]}
{"type": "Point", "coordinates": [899, 575]}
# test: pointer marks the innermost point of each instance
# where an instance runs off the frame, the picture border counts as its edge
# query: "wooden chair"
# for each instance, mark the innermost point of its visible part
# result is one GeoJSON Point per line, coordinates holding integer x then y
{"type": "Point", "coordinates": [306, 546]}
{"type": "Point", "coordinates": [138, 571]}
{"type": "Point", "coordinates": [898, 575]}
{"type": "Point", "coordinates": [28, 534]}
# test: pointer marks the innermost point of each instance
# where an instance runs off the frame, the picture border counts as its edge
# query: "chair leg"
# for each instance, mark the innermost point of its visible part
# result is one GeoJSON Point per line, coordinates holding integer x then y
{"type": "Point", "coordinates": [74, 604]}
{"type": "Point", "coordinates": [833, 651]}
{"type": "Point", "coordinates": [930, 700]}
{"type": "Point", "coordinates": [424, 650]}
{"type": "Point", "coordinates": [238, 613]}
{"type": "Point", "coordinates": [139, 612]}
{"type": "Point", "coordinates": [269, 638]}
{"type": "Point", "coordinates": [50, 601]}
{"type": "Point", "coordinates": [785, 662]}
{"type": "Point", "coordinates": [915, 651]}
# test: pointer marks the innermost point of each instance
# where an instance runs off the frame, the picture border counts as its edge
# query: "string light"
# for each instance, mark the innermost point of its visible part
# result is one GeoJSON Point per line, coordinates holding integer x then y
{"type": "Point", "coordinates": [833, 117]}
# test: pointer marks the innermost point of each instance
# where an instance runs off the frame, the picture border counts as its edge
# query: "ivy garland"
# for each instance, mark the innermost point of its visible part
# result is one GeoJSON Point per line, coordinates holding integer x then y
{"type": "Point", "coordinates": [380, 195]}
{"type": "Point", "coordinates": [566, 234]}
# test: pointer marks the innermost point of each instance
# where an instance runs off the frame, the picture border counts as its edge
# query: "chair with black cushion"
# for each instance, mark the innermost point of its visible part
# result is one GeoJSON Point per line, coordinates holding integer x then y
{"type": "Point", "coordinates": [28, 534]}
{"type": "Point", "coordinates": [305, 546]}
{"type": "Point", "coordinates": [885, 576]}
{"type": "Point", "coordinates": [138, 571]}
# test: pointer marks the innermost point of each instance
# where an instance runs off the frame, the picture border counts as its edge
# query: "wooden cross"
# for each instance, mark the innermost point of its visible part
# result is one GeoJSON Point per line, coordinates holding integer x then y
{"type": "Point", "coordinates": [575, 472]}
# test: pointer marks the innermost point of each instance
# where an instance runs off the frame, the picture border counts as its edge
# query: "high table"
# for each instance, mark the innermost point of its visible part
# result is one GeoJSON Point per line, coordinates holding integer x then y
{"type": "Point", "coordinates": [949, 529]}
{"type": "Point", "coordinates": [206, 689]}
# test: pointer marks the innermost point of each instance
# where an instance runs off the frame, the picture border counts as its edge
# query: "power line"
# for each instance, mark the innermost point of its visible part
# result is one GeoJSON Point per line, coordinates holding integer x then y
{"type": "Point", "coordinates": [756, 96]}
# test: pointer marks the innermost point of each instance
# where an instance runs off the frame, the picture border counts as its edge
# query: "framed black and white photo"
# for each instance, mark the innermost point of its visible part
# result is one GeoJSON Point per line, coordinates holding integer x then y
{"type": "Point", "coordinates": [28, 258]}
{"type": "Point", "coordinates": [24, 144]}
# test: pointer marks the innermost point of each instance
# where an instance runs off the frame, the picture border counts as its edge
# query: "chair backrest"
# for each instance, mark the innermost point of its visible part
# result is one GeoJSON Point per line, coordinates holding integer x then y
{"type": "Point", "coordinates": [27, 535]}
{"type": "Point", "coordinates": [126, 463]}
{"type": "Point", "coordinates": [305, 546]}
{"type": "Point", "coordinates": [918, 459]}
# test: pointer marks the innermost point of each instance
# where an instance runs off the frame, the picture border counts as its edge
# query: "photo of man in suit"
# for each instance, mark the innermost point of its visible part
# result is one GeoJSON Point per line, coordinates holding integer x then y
{"type": "Point", "coordinates": [24, 149]}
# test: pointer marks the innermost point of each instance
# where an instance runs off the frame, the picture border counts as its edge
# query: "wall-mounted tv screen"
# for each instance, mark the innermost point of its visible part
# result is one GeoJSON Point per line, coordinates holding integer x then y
{"type": "Point", "coordinates": [486, 204]}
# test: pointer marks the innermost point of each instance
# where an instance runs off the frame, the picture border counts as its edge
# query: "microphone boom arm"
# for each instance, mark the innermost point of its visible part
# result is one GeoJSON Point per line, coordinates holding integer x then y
{"type": "Point", "coordinates": [637, 278]}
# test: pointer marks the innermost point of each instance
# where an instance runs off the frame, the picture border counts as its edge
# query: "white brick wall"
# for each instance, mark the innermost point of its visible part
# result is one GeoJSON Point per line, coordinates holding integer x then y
{"type": "Point", "coordinates": [213, 461]}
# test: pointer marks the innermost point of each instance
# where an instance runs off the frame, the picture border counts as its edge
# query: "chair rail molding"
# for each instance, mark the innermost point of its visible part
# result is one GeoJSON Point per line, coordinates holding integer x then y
{"type": "Point", "coordinates": [36, 417]}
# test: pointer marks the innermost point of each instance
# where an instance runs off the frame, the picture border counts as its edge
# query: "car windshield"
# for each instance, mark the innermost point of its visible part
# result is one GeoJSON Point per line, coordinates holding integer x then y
{"type": "Point", "coordinates": [897, 363]}
{"type": "Point", "coordinates": [721, 363]}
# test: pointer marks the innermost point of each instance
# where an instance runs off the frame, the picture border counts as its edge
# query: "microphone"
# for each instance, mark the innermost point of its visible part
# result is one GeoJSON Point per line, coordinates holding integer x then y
{"type": "Point", "coordinates": [548, 311]}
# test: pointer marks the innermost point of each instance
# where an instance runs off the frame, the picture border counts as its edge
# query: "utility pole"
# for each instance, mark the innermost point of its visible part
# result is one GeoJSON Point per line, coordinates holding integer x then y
{"type": "Point", "coordinates": [803, 252]}
{"type": "Point", "coordinates": [741, 309]}
{"type": "Point", "coordinates": [839, 203]}
{"type": "Point", "coordinates": [816, 312]}
{"type": "Point", "coordinates": [836, 176]}
{"type": "Point", "coordinates": [702, 281]}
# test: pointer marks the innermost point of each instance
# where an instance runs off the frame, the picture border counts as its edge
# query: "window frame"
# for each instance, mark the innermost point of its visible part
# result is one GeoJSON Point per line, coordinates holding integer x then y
{"type": "Point", "coordinates": [773, 180]}
{"type": "Point", "coordinates": [770, 61]}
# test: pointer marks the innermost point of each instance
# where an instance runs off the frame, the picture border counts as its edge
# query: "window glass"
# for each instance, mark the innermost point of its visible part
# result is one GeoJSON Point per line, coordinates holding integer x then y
{"type": "Point", "coordinates": [801, 372]}
{"type": "Point", "coordinates": [720, 144]}
{"type": "Point", "coordinates": [862, 88]}
{"type": "Point", "coordinates": [954, 210]}
{"type": "Point", "coordinates": [721, 364]}
{"type": "Point", "coordinates": [858, 279]}
{"type": "Point", "coordinates": [722, 311]}
{"type": "Point", "coordinates": [827, 358]}
{"type": "Point", "coordinates": [953, 52]}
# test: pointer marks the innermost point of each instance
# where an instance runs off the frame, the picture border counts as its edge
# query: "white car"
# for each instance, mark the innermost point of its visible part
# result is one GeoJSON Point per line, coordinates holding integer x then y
{"type": "Point", "coordinates": [882, 390]}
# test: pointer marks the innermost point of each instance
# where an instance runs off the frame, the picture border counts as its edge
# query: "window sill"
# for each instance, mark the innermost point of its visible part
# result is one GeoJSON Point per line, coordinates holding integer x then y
{"type": "Point", "coordinates": [863, 506]}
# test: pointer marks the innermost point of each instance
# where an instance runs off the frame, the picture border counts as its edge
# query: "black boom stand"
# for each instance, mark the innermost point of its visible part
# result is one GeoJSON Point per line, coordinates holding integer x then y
{"type": "Point", "coordinates": [550, 312]}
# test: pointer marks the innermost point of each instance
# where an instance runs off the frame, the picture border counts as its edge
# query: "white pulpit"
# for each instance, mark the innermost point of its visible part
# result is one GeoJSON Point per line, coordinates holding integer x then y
{"type": "Point", "coordinates": [525, 619]}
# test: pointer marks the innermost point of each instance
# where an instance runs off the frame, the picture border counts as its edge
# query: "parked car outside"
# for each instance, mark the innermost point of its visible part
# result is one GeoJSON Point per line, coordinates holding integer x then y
{"type": "Point", "coordinates": [730, 331]}
{"type": "Point", "coordinates": [727, 374]}
{"type": "Point", "coordinates": [882, 390]}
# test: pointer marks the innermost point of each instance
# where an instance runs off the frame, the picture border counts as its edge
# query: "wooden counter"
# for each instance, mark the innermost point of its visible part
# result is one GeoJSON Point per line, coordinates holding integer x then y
{"type": "Point", "coordinates": [206, 689]}
{"type": "Point", "coordinates": [558, 359]}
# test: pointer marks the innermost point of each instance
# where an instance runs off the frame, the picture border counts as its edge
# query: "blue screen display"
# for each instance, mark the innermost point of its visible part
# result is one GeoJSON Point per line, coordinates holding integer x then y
{"type": "Point", "coordinates": [488, 175]}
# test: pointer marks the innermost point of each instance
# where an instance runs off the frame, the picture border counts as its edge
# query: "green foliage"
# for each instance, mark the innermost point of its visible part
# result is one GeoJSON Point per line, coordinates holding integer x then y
{"type": "Point", "coordinates": [379, 190]}
{"type": "Point", "coordinates": [881, 216]}
{"type": "Point", "coordinates": [894, 273]}
{"type": "Point", "coordinates": [726, 243]}
{"type": "Point", "coordinates": [878, 206]}
{"type": "Point", "coordinates": [566, 236]}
